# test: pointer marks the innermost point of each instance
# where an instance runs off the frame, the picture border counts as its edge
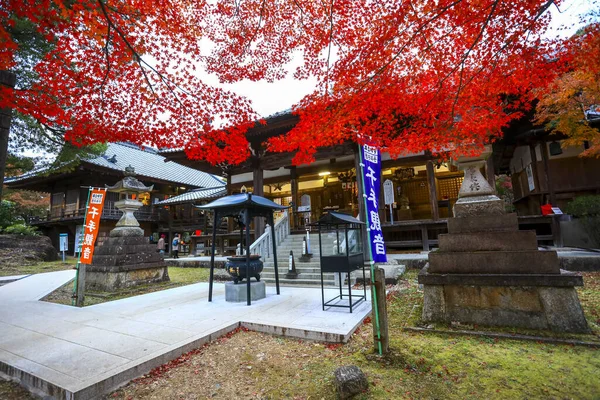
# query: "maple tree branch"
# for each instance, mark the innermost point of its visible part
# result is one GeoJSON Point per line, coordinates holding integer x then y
{"type": "Point", "coordinates": [542, 10]}
{"type": "Point", "coordinates": [329, 48]}
{"type": "Point", "coordinates": [301, 12]}
{"type": "Point", "coordinates": [106, 53]}
{"type": "Point", "coordinates": [262, 10]}
{"type": "Point", "coordinates": [380, 70]}
{"type": "Point", "coordinates": [140, 61]}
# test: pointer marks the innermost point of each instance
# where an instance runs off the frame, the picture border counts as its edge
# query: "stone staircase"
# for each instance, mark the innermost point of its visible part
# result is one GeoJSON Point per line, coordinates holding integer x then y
{"type": "Point", "coordinates": [309, 273]}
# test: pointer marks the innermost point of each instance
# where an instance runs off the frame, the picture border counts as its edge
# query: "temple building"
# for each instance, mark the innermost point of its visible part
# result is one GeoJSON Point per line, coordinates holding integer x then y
{"type": "Point", "coordinates": [425, 190]}
{"type": "Point", "coordinates": [69, 191]}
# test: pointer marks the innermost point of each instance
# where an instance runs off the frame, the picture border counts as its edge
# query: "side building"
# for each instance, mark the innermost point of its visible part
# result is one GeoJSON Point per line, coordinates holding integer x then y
{"type": "Point", "coordinates": [69, 191]}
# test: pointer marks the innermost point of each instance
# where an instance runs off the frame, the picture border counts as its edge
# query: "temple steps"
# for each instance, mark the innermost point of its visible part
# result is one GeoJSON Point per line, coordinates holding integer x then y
{"type": "Point", "coordinates": [309, 271]}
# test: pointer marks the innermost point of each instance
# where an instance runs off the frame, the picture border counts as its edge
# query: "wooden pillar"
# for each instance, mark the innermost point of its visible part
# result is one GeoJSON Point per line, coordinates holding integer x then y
{"type": "Point", "coordinates": [258, 183]}
{"type": "Point", "coordinates": [435, 213]}
{"type": "Point", "coordinates": [6, 79]}
{"type": "Point", "coordinates": [425, 237]}
{"type": "Point", "coordinates": [384, 339]}
{"type": "Point", "coordinates": [295, 198]}
{"type": "Point", "coordinates": [80, 293]}
{"type": "Point", "coordinates": [490, 173]}
{"type": "Point", "coordinates": [549, 183]}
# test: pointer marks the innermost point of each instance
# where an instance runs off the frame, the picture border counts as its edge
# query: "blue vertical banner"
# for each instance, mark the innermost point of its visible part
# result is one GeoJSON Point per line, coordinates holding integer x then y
{"type": "Point", "coordinates": [371, 170]}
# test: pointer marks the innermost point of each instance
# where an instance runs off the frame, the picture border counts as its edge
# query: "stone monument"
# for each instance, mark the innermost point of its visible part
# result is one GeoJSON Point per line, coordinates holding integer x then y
{"type": "Point", "coordinates": [126, 258]}
{"type": "Point", "coordinates": [488, 272]}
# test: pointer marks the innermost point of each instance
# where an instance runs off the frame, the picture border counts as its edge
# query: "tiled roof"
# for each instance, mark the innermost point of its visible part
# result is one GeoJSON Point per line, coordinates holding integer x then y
{"type": "Point", "coordinates": [147, 163]}
{"type": "Point", "coordinates": [195, 195]}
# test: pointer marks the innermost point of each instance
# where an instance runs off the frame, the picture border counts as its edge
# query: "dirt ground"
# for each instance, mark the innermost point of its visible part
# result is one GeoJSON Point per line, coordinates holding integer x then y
{"type": "Point", "coordinates": [250, 365]}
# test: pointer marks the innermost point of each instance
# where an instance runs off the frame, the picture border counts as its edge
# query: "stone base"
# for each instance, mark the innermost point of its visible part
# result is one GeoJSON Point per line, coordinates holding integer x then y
{"type": "Point", "coordinates": [126, 231]}
{"type": "Point", "coordinates": [555, 308]}
{"type": "Point", "coordinates": [123, 261]}
{"type": "Point", "coordinates": [479, 205]}
{"type": "Point", "coordinates": [238, 292]}
{"type": "Point", "coordinates": [102, 281]}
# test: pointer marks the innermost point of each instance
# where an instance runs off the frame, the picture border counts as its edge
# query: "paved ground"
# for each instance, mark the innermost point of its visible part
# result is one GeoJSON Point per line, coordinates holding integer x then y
{"type": "Point", "coordinates": [76, 353]}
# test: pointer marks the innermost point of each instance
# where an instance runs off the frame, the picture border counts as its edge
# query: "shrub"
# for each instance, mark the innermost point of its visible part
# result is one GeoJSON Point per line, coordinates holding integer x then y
{"type": "Point", "coordinates": [587, 210]}
{"type": "Point", "coordinates": [584, 206]}
{"type": "Point", "coordinates": [8, 214]}
{"type": "Point", "coordinates": [21, 229]}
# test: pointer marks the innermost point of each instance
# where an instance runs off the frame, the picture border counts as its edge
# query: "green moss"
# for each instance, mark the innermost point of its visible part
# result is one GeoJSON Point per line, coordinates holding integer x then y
{"type": "Point", "coordinates": [38, 268]}
{"type": "Point", "coordinates": [178, 277]}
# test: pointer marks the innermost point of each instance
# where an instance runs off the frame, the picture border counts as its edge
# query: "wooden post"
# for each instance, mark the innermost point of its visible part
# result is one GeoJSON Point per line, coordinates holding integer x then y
{"type": "Point", "coordinates": [435, 213]}
{"type": "Point", "coordinates": [379, 283]}
{"type": "Point", "coordinates": [549, 183]}
{"type": "Point", "coordinates": [425, 237]}
{"type": "Point", "coordinates": [294, 184]}
{"type": "Point", "coordinates": [80, 294]}
{"type": "Point", "coordinates": [258, 183]}
{"type": "Point", "coordinates": [490, 173]}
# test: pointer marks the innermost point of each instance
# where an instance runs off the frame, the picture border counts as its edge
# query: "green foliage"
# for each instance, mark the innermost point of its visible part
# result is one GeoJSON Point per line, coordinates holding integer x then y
{"type": "Point", "coordinates": [8, 214]}
{"type": "Point", "coordinates": [584, 206]}
{"type": "Point", "coordinates": [21, 229]}
{"type": "Point", "coordinates": [587, 210]}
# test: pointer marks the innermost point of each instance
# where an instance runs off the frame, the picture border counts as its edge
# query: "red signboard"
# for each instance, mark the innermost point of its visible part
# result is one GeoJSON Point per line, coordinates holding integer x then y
{"type": "Point", "coordinates": [93, 212]}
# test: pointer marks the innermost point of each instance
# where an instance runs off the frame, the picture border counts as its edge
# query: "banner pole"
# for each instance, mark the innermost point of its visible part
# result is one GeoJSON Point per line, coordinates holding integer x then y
{"type": "Point", "coordinates": [371, 261]}
{"type": "Point", "coordinates": [76, 286]}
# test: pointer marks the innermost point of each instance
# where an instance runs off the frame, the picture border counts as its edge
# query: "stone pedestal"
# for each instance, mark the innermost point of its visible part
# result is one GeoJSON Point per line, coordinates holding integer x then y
{"type": "Point", "coordinates": [237, 293]}
{"type": "Point", "coordinates": [124, 261]}
{"type": "Point", "coordinates": [487, 272]}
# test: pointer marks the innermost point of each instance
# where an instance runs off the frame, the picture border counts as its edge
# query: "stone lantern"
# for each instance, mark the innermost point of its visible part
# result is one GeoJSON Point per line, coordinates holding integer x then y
{"type": "Point", "coordinates": [128, 224]}
{"type": "Point", "coordinates": [126, 258]}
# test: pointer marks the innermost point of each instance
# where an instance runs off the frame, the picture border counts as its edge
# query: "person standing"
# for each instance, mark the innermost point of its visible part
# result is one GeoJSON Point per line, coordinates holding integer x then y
{"type": "Point", "coordinates": [175, 245]}
{"type": "Point", "coordinates": [161, 244]}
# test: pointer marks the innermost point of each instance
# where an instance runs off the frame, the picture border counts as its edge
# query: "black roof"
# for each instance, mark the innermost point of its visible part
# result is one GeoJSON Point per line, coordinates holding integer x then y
{"type": "Point", "coordinates": [337, 218]}
{"type": "Point", "coordinates": [233, 204]}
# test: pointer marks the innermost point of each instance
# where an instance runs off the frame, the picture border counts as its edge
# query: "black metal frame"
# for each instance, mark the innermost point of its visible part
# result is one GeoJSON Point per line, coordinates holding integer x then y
{"type": "Point", "coordinates": [341, 264]}
{"type": "Point", "coordinates": [244, 213]}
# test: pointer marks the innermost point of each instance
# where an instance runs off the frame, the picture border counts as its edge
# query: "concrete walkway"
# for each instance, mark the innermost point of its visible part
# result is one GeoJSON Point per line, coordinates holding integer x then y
{"type": "Point", "coordinates": [72, 353]}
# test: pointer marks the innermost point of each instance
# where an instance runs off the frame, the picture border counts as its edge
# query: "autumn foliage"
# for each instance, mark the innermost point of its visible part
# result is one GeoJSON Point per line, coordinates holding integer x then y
{"type": "Point", "coordinates": [575, 91]}
{"type": "Point", "coordinates": [409, 76]}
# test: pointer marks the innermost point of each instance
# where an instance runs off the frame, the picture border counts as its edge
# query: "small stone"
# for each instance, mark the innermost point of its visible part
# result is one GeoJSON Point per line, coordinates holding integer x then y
{"type": "Point", "coordinates": [350, 381]}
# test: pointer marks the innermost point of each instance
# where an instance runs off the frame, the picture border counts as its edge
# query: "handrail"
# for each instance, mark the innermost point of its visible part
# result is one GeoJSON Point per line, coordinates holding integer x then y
{"type": "Point", "coordinates": [263, 245]}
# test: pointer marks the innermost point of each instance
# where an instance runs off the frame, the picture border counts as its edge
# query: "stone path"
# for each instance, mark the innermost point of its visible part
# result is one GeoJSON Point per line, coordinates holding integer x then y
{"type": "Point", "coordinates": [72, 353]}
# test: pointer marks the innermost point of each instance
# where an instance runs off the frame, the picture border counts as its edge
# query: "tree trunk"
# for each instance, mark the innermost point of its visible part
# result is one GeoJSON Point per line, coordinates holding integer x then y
{"type": "Point", "coordinates": [7, 79]}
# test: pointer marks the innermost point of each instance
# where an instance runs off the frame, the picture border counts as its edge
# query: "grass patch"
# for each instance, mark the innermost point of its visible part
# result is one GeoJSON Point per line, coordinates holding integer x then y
{"type": "Point", "coordinates": [178, 276]}
{"type": "Point", "coordinates": [420, 365]}
{"type": "Point", "coordinates": [12, 391]}
{"type": "Point", "coordinates": [38, 267]}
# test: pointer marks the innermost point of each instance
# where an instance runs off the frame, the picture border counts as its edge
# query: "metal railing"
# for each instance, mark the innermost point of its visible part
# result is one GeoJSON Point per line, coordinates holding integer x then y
{"type": "Point", "coordinates": [264, 245]}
